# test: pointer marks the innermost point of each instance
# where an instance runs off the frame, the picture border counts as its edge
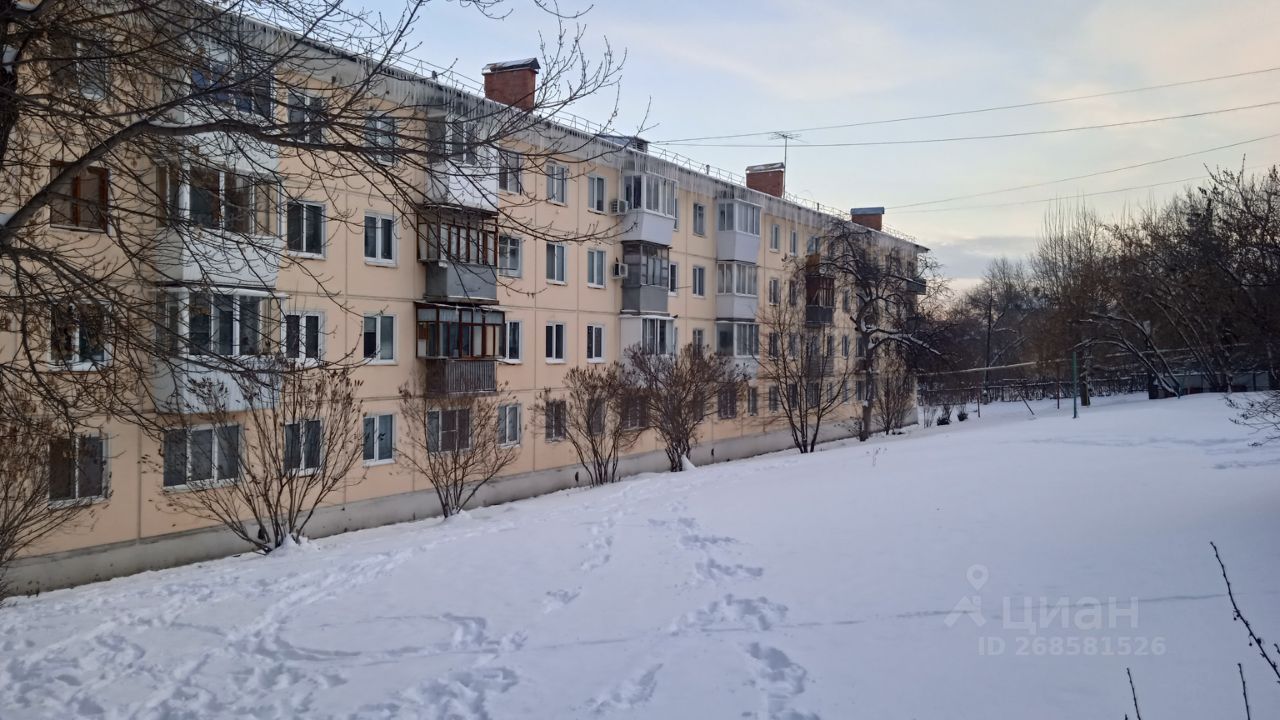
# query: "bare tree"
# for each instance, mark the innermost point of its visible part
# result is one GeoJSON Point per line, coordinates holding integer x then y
{"type": "Point", "coordinates": [269, 452]}
{"type": "Point", "coordinates": [807, 378]}
{"type": "Point", "coordinates": [594, 415]}
{"type": "Point", "coordinates": [41, 475]}
{"type": "Point", "coordinates": [895, 393]}
{"type": "Point", "coordinates": [460, 441]}
{"type": "Point", "coordinates": [678, 392]}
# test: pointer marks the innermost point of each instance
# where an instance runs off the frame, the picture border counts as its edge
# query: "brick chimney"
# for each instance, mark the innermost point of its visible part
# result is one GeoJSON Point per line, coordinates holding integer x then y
{"type": "Point", "coordinates": [770, 179]}
{"type": "Point", "coordinates": [871, 217]}
{"type": "Point", "coordinates": [513, 82]}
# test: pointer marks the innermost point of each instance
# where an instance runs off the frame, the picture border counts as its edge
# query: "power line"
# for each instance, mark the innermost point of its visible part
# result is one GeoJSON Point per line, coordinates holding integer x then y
{"type": "Point", "coordinates": [997, 136]}
{"type": "Point", "coordinates": [1056, 199]}
{"type": "Point", "coordinates": [1086, 175]}
{"type": "Point", "coordinates": [975, 111]}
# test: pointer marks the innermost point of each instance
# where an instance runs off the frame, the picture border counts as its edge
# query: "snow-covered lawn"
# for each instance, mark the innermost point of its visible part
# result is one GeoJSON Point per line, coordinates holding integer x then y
{"type": "Point", "coordinates": [830, 586]}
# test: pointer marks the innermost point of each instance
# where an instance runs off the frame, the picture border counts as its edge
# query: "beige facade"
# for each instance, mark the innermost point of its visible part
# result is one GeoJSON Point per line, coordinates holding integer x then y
{"type": "Point", "coordinates": [626, 200]}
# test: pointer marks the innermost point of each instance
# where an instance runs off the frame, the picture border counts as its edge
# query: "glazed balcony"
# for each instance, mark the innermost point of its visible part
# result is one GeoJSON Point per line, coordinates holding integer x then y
{"type": "Point", "coordinates": [459, 252]}
{"type": "Point", "coordinates": [193, 254]}
{"type": "Point", "coordinates": [737, 231]}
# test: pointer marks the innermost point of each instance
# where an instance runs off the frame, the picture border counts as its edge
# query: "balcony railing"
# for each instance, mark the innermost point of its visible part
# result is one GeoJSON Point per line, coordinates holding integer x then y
{"type": "Point", "coordinates": [218, 257]}
{"type": "Point", "coordinates": [819, 314]}
{"type": "Point", "coordinates": [914, 285]}
{"type": "Point", "coordinates": [450, 376]}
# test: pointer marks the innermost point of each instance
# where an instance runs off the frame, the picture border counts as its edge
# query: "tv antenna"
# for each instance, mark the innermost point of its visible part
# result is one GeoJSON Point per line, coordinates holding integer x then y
{"type": "Point", "coordinates": [786, 138]}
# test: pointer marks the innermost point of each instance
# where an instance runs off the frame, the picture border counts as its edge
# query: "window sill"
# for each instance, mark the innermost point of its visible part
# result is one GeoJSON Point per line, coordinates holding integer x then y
{"type": "Point", "coordinates": [595, 361]}
{"type": "Point", "coordinates": [375, 361]}
{"type": "Point", "coordinates": [304, 255]}
{"type": "Point", "coordinates": [556, 282]}
{"type": "Point", "coordinates": [596, 212]}
{"type": "Point", "coordinates": [380, 263]}
{"type": "Point", "coordinates": [376, 463]}
{"type": "Point", "coordinates": [198, 486]}
{"type": "Point", "coordinates": [510, 361]}
{"type": "Point", "coordinates": [68, 503]}
{"type": "Point", "coordinates": [594, 286]}
{"type": "Point", "coordinates": [561, 203]}
{"type": "Point", "coordinates": [80, 367]}
{"type": "Point", "coordinates": [79, 228]}
{"type": "Point", "coordinates": [509, 274]}
{"type": "Point", "coordinates": [552, 361]}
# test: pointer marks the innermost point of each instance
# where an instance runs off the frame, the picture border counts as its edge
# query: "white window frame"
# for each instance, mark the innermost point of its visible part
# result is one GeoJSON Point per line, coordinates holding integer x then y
{"type": "Point", "coordinates": [78, 497]}
{"type": "Point", "coordinates": [555, 417]}
{"type": "Point", "coordinates": [698, 281]}
{"type": "Point", "coordinates": [378, 428]}
{"type": "Point", "coordinates": [214, 480]}
{"type": "Point", "coordinates": [556, 333]}
{"type": "Point", "coordinates": [302, 357]}
{"type": "Point", "coordinates": [510, 329]}
{"type": "Point", "coordinates": [775, 291]}
{"type": "Point", "coordinates": [673, 279]}
{"type": "Point", "coordinates": [742, 279]}
{"type": "Point", "coordinates": [658, 335]}
{"type": "Point", "coordinates": [302, 468]}
{"type": "Point", "coordinates": [597, 193]}
{"type": "Point", "coordinates": [510, 171]}
{"type": "Point", "coordinates": [79, 364]}
{"type": "Point", "coordinates": [379, 226]}
{"type": "Point", "coordinates": [509, 426]}
{"type": "Point", "coordinates": [775, 238]}
{"type": "Point", "coordinates": [436, 430]}
{"type": "Point", "coordinates": [377, 359]}
{"type": "Point", "coordinates": [303, 205]}
{"type": "Point", "coordinates": [557, 183]}
{"type": "Point", "coordinates": [557, 263]}
{"type": "Point", "coordinates": [380, 134]}
{"type": "Point", "coordinates": [795, 242]}
{"type": "Point", "coordinates": [597, 261]}
{"type": "Point", "coordinates": [699, 219]}
{"type": "Point", "coordinates": [595, 343]}
{"type": "Point", "coordinates": [506, 269]}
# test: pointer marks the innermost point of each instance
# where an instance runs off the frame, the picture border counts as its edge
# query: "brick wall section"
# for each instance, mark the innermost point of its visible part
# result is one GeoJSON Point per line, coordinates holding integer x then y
{"type": "Point", "coordinates": [873, 220]}
{"type": "Point", "coordinates": [769, 179]}
{"type": "Point", "coordinates": [512, 87]}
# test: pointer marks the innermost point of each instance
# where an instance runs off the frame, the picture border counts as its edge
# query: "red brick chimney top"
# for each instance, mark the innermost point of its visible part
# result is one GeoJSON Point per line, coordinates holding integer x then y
{"type": "Point", "coordinates": [770, 179]}
{"type": "Point", "coordinates": [872, 217]}
{"type": "Point", "coordinates": [513, 82]}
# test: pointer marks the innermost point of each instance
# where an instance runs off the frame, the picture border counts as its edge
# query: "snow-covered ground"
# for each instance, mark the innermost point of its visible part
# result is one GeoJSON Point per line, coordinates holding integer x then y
{"type": "Point", "coordinates": [998, 568]}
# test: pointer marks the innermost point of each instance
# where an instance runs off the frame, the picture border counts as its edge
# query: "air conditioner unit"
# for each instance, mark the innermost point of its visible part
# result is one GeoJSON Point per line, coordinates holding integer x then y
{"type": "Point", "coordinates": [619, 207]}
{"type": "Point", "coordinates": [619, 269]}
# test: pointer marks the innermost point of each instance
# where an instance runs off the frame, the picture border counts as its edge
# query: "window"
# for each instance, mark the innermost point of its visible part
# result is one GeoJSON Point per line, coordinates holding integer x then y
{"type": "Point", "coordinates": [555, 420]}
{"type": "Point", "coordinates": [306, 115]}
{"type": "Point", "coordinates": [225, 324]}
{"type": "Point", "coordinates": [658, 336]}
{"type": "Point", "coordinates": [555, 262]}
{"type": "Point", "coordinates": [457, 332]}
{"type": "Point", "coordinates": [727, 402]}
{"type": "Point", "coordinates": [555, 342]}
{"type": "Point", "coordinates": [380, 338]}
{"type": "Point", "coordinates": [597, 189]}
{"type": "Point", "coordinates": [736, 279]}
{"type": "Point", "coordinates": [675, 213]}
{"type": "Point", "coordinates": [448, 430]}
{"type": "Point", "coordinates": [635, 413]}
{"type": "Point", "coordinates": [379, 239]}
{"type": "Point", "coordinates": [459, 238]}
{"type": "Point", "coordinates": [844, 390]}
{"type": "Point", "coordinates": [201, 455]}
{"type": "Point", "coordinates": [647, 264]}
{"type": "Point", "coordinates": [775, 344]}
{"type": "Point", "coordinates": [844, 345]}
{"type": "Point", "coordinates": [775, 291]}
{"type": "Point", "coordinates": [78, 338]}
{"type": "Point", "coordinates": [509, 341]}
{"type": "Point", "coordinates": [831, 346]}
{"type": "Point", "coordinates": [302, 446]}
{"type": "Point", "coordinates": [792, 292]}
{"type": "Point", "coordinates": [673, 279]}
{"type": "Point", "coordinates": [305, 234]}
{"type": "Point", "coordinates": [699, 281]}
{"type": "Point", "coordinates": [509, 424]}
{"type": "Point", "coordinates": [753, 402]}
{"type": "Point", "coordinates": [774, 399]}
{"type": "Point", "coordinates": [227, 81]}
{"type": "Point", "coordinates": [814, 246]}
{"type": "Point", "coordinates": [595, 343]}
{"type": "Point", "coordinates": [595, 268]}
{"type": "Point", "coordinates": [85, 69]}
{"type": "Point", "coordinates": [221, 200]}
{"type": "Point", "coordinates": [77, 467]}
{"type": "Point", "coordinates": [510, 165]}
{"type": "Point", "coordinates": [775, 238]}
{"type": "Point", "coordinates": [844, 301]}
{"type": "Point", "coordinates": [302, 332]}
{"type": "Point", "coordinates": [80, 201]}
{"type": "Point", "coordinates": [380, 137]}
{"type": "Point", "coordinates": [557, 183]}
{"type": "Point", "coordinates": [379, 438]}
{"type": "Point", "coordinates": [739, 216]}
{"type": "Point", "coordinates": [699, 219]}
{"type": "Point", "coordinates": [659, 195]}
{"type": "Point", "coordinates": [737, 339]}
{"type": "Point", "coordinates": [795, 243]}
{"type": "Point", "coordinates": [698, 339]}
{"type": "Point", "coordinates": [509, 256]}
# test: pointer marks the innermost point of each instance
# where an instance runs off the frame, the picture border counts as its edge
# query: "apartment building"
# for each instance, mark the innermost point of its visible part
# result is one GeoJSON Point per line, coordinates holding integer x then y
{"type": "Point", "coordinates": [508, 272]}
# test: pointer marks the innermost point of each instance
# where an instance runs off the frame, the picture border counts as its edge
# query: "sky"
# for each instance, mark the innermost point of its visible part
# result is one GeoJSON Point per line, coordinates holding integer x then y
{"type": "Point", "coordinates": [715, 67]}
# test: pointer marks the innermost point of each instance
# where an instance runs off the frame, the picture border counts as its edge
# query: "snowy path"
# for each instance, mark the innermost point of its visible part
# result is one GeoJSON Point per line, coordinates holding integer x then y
{"type": "Point", "coordinates": [888, 579]}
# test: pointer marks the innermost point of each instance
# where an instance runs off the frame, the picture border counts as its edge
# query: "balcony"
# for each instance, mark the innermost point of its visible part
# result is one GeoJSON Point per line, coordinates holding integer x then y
{"type": "Point", "coordinates": [451, 376]}
{"type": "Point", "coordinates": [737, 231]}
{"type": "Point", "coordinates": [459, 251]}
{"type": "Point", "coordinates": [914, 285]}
{"type": "Point", "coordinates": [641, 225]}
{"type": "Point", "coordinates": [730, 306]}
{"type": "Point", "coordinates": [819, 315]}
{"type": "Point", "coordinates": [200, 255]}
{"type": "Point", "coordinates": [819, 299]}
{"type": "Point", "coordinates": [462, 186]}
{"type": "Point", "coordinates": [201, 384]}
